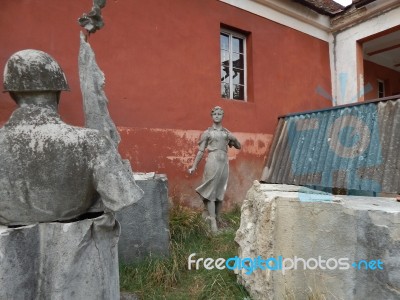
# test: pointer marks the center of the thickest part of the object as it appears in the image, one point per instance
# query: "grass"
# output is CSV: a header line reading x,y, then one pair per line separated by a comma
x,y
157,278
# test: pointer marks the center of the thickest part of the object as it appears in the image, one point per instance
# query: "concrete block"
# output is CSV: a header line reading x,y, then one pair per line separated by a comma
x,y
286,221
144,225
76,260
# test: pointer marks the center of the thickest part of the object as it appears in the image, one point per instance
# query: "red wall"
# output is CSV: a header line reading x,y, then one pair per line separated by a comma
x,y
161,61
373,72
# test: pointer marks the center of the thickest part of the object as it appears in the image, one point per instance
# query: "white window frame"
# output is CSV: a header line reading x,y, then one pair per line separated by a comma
x,y
384,88
231,34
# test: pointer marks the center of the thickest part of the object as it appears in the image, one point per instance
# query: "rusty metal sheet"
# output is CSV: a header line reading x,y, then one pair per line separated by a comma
x,y
354,148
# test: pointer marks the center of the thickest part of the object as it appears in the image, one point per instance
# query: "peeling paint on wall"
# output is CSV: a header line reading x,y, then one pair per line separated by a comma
x,y
183,143
172,151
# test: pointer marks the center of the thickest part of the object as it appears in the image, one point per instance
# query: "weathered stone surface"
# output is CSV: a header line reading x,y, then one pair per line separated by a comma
x,y
49,170
24,72
77,260
52,171
216,140
93,20
95,102
144,225
278,220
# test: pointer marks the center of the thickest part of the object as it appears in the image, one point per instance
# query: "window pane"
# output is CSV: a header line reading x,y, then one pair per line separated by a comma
x,y
237,60
238,76
233,63
225,57
237,45
224,38
224,73
225,90
381,89
238,92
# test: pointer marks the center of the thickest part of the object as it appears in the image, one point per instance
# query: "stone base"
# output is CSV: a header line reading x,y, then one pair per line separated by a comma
x,y
144,224
77,260
288,221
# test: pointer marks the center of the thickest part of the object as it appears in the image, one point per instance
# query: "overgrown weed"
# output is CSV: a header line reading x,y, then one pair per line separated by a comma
x,y
169,278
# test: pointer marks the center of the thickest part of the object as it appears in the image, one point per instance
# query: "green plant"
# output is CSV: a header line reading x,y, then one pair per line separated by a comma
x,y
184,222
169,278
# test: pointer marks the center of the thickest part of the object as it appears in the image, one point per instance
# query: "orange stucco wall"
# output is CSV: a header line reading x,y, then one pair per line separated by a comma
x,y
162,66
373,72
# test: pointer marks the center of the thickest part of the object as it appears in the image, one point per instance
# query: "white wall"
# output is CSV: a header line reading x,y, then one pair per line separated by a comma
x,y
344,56
342,35
287,13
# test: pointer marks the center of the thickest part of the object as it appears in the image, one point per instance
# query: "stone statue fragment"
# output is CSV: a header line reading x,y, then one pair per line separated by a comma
x,y
49,170
216,140
93,20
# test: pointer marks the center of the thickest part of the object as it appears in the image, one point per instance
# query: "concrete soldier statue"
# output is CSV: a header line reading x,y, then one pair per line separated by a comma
x,y
216,140
51,171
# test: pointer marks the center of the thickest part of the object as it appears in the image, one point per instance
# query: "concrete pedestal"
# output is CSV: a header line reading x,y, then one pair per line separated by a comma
x,y
342,239
144,225
77,260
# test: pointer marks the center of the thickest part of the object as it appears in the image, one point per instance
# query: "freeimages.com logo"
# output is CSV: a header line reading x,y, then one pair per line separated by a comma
x,y
280,264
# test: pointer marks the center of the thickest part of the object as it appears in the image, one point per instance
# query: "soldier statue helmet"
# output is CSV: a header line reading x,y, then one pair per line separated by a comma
x,y
49,170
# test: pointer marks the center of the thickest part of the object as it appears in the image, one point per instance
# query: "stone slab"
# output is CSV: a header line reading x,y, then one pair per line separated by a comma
x,y
144,225
277,222
77,260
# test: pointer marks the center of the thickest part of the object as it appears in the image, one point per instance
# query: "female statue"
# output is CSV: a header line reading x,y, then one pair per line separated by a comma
x,y
215,178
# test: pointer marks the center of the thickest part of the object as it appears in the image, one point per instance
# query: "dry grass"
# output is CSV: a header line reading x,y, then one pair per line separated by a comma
x,y
157,278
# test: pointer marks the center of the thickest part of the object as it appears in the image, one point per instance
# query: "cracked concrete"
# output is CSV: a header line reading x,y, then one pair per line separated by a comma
x,y
79,264
277,221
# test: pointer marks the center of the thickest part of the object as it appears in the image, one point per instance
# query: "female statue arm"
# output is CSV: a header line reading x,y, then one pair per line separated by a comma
x,y
198,158
200,153
233,142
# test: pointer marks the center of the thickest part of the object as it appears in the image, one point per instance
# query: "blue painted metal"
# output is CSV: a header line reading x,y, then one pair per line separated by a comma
x,y
354,148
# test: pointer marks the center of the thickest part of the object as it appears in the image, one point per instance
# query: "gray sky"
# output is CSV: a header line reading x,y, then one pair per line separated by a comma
x,y
343,2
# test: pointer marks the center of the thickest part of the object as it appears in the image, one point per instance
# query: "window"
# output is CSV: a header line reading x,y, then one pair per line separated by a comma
x,y
381,88
233,65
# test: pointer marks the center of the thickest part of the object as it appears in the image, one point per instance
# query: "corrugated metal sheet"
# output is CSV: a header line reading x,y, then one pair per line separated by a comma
x,y
355,148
